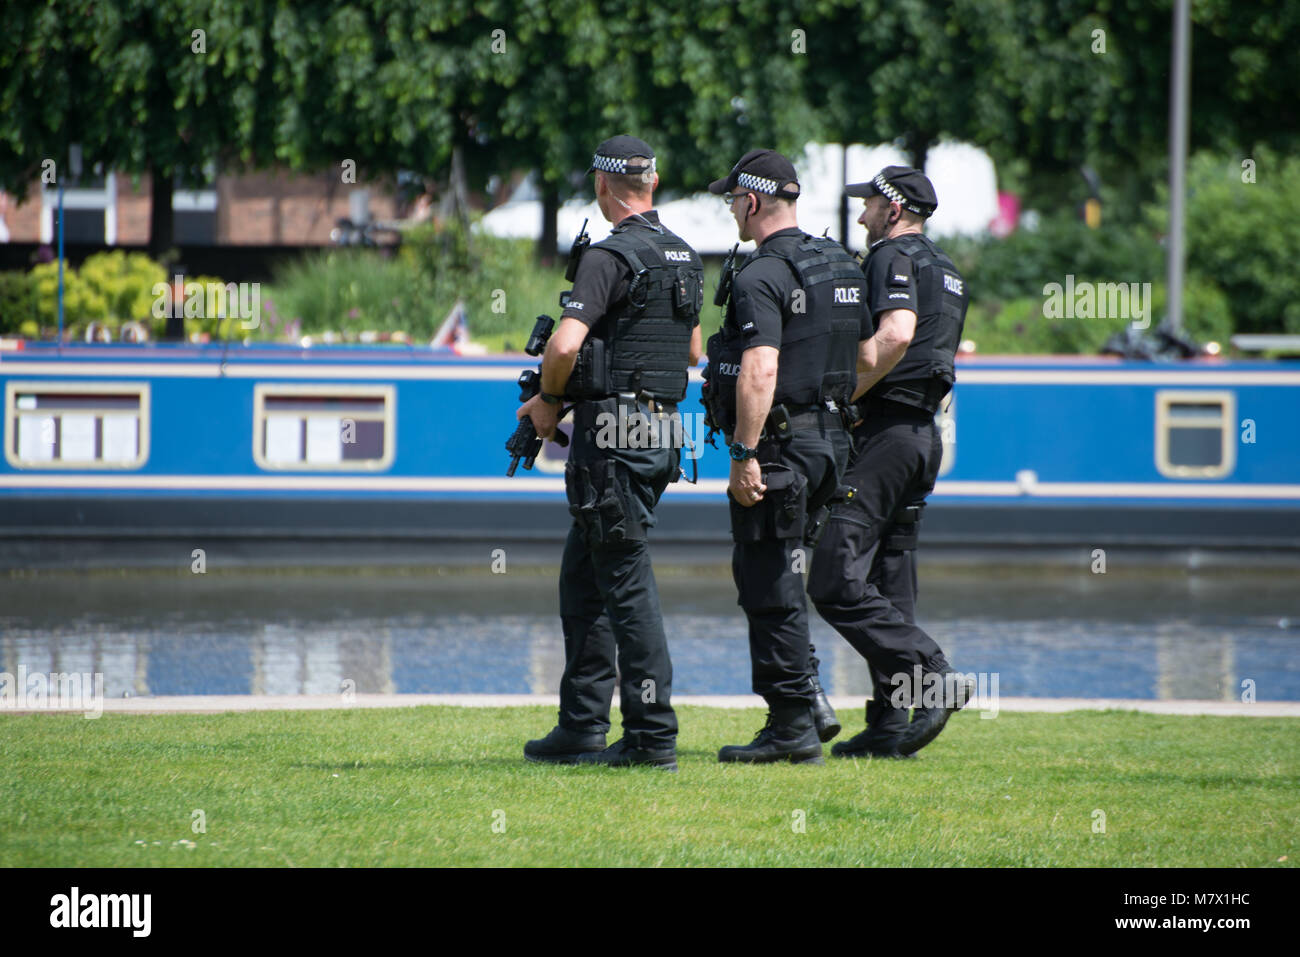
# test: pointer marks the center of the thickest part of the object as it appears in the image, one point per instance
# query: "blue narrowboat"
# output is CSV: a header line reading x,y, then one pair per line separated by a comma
x,y
112,442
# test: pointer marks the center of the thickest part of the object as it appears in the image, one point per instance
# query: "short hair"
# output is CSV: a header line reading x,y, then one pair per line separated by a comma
x,y
640,184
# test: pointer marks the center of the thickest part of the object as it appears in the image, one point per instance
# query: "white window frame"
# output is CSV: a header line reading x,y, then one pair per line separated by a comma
x,y
1225,421
105,199
263,390
12,414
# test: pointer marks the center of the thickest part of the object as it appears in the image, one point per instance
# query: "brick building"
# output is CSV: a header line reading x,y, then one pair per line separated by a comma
x,y
270,208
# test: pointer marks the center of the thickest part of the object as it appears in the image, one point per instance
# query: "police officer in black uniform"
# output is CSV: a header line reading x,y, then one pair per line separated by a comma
x,y
780,371
627,336
863,577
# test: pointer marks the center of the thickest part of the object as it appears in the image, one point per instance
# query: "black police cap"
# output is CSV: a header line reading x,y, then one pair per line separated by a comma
x,y
623,154
908,187
761,171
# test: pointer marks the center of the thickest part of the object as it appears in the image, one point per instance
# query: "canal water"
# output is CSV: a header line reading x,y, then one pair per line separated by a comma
x,y
1045,632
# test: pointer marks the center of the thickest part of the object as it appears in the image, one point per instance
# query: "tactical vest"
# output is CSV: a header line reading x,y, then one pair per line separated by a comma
x,y
642,344
925,374
819,334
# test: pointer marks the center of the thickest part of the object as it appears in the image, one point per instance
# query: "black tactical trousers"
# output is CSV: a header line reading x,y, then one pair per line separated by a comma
x,y
863,576
609,602
769,556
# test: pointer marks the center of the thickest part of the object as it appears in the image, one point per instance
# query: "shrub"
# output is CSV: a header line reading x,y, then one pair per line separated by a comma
x,y
123,282
17,301
413,290
110,287
1023,263
1020,325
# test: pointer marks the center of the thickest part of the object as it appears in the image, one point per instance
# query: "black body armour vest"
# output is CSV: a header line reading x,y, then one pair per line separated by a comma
x,y
643,342
819,335
925,374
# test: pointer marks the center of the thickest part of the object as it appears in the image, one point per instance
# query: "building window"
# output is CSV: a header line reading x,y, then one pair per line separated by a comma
x,y
81,425
1195,434
323,427
194,217
89,211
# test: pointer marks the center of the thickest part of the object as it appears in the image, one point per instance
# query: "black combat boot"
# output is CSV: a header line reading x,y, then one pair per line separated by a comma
x,y
928,721
885,726
828,725
625,754
868,744
563,746
789,735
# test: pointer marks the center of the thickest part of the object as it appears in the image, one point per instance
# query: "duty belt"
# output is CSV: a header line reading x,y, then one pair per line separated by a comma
x,y
784,420
646,399
868,404
920,394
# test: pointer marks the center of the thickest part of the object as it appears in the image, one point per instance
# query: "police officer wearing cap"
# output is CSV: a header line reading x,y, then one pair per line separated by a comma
x,y
863,576
627,335
780,370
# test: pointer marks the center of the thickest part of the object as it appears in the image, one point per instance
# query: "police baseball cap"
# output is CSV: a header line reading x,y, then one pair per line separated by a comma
x,y
908,187
761,171
623,154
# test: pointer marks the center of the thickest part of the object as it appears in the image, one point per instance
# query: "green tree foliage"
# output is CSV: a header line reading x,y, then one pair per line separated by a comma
x,y
535,84
1244,236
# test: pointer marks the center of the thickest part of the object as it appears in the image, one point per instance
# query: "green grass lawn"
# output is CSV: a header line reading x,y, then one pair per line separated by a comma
x,y
449,786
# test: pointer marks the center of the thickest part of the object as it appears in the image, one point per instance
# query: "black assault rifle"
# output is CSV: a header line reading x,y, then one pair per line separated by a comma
x,y
723,291
525,443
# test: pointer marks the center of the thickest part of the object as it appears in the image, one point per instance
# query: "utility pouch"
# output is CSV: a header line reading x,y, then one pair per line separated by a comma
x,y
688,292
590,376
597,504
780,515
817,525
905,527
778,423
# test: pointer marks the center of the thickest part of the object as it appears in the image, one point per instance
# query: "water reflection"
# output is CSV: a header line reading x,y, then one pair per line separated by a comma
x,y
1044,634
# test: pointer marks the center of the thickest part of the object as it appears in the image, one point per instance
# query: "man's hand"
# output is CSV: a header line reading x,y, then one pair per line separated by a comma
x,y
544,415
746,485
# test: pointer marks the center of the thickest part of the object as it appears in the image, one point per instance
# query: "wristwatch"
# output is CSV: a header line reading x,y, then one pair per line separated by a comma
x,y
550,399
739,451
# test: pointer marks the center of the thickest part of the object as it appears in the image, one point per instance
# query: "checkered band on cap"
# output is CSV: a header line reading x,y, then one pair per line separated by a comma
x,y
888,191
609,164
892,194
760,184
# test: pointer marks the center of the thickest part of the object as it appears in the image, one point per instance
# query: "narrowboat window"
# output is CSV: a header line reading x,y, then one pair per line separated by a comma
x,y
337,428
76,425
1195,434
